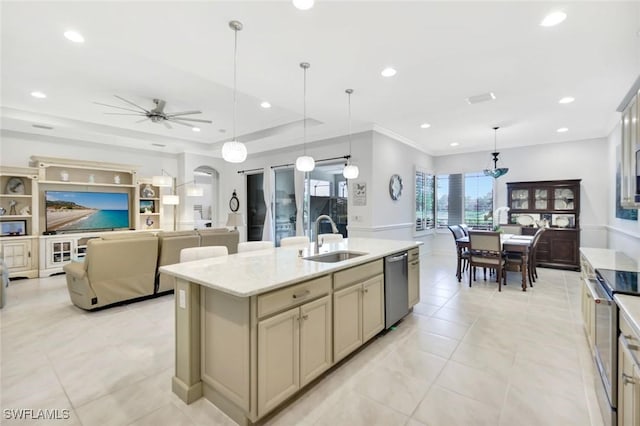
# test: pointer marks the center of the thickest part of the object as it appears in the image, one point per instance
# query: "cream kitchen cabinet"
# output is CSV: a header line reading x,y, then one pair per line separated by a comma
x,y
294,348
358,309
628,376
588,310
414,277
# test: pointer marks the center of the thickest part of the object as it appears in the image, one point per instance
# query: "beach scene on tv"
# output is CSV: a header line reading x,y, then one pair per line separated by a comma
x,y
76,211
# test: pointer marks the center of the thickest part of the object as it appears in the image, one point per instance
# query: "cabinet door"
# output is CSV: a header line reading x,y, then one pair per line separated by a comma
x,y
628,388
278,359
316,350
17,255
519,199
414,282
540,198
347,321
372,307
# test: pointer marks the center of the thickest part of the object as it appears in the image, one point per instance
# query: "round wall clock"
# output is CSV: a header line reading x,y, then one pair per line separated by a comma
x,y
234,203
395,187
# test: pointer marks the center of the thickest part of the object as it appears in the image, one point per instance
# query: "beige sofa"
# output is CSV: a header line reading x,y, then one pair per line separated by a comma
x,y
124,267
115,269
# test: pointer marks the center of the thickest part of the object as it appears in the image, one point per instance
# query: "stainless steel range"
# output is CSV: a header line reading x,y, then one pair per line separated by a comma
x,y
609,282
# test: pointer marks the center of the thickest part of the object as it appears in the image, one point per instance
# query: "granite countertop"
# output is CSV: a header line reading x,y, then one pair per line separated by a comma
x,y
251,273
609,259
630,307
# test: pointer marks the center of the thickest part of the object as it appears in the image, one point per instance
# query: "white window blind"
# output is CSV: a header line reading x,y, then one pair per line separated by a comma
x,y
425,201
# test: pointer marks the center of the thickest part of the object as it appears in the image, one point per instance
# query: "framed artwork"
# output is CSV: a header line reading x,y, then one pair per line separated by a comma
x,y
147,206
622,213
359,194
13,228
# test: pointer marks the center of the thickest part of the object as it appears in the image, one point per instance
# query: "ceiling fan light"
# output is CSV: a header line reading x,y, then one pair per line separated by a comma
x,y
350,171
162,181
305,163
234,152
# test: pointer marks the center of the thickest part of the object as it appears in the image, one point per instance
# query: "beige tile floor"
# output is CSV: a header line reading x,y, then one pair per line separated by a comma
x,y
465,356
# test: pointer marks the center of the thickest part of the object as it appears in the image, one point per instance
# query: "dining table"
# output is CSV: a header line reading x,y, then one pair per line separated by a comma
x,y
520,244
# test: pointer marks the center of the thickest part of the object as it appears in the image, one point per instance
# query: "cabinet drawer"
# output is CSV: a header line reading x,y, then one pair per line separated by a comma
x,y
629,334
357,274
414,254
294,295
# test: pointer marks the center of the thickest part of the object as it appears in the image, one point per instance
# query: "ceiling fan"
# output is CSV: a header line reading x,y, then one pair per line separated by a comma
x,y
157,114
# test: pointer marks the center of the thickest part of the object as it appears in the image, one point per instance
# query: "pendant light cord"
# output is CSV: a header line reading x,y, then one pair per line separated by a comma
x,y
349,93
304,110
235,67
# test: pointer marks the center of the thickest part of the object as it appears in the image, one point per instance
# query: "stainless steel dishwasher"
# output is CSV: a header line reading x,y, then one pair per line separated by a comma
x,y
396,288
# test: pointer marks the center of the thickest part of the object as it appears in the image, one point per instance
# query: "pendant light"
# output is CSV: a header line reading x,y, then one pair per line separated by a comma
x,y
305,163
495,172
234,151
350,171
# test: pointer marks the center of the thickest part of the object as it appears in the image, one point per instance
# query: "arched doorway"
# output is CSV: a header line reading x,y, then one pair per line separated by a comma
x,y
205,208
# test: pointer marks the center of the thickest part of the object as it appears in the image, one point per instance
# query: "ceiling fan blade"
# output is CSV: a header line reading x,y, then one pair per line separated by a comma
x,y
122,113
144,119
190,119
166,124
180,123
130,103
113,106
183,113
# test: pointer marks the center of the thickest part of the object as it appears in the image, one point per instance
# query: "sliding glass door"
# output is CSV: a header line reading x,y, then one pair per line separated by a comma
x,y
256,208
285,204
326,193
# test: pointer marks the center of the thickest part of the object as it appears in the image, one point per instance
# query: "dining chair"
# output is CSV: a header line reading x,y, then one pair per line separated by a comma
x,y
294,241
465,229
254,245
485,250
197,253
462,252
511,229
514,260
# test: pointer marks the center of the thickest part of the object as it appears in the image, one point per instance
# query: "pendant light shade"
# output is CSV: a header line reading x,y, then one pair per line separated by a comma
x,y
303,4
350,171
162,181
305,163
234,151
496,172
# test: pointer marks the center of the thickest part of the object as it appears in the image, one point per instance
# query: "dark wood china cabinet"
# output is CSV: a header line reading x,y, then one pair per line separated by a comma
x,y
552,204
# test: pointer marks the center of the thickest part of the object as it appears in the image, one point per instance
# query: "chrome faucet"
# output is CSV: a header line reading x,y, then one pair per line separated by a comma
x,y
334,229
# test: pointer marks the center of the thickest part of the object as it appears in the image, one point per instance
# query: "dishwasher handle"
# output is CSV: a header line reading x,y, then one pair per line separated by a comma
x,y
397,258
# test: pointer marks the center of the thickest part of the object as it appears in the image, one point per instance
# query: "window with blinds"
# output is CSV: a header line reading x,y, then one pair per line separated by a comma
x,y
425,201
464,198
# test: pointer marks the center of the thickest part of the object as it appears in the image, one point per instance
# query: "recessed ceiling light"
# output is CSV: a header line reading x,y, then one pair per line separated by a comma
x,y
454,144
554,18
74,36
425,125
562,129
38,95
265,104
388,72
566,100
303,4
195,129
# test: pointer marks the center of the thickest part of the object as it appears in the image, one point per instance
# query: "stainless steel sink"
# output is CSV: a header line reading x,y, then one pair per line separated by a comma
x,y
336,256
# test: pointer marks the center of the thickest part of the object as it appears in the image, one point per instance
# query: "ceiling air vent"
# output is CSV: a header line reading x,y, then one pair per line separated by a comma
x,y
480,98
160,145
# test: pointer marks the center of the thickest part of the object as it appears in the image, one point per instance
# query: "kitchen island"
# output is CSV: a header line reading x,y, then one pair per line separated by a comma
x,y
254,328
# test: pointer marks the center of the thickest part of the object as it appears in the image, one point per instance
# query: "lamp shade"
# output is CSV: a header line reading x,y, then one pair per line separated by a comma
x,y
234,152
350,171
303,4
235,219
162,181
305,163
170,200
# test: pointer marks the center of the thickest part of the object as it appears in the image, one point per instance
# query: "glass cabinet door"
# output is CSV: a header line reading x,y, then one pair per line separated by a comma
x,y
541,199
563,199
520,199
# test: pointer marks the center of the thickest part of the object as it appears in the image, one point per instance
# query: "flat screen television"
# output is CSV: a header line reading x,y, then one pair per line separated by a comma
x,y
86,211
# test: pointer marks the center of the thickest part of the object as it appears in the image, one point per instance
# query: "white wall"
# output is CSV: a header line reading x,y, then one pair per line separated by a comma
x,y
623,235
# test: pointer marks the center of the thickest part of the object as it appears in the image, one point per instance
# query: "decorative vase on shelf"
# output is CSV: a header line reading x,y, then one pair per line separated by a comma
x,y
92,178
116,179
64,176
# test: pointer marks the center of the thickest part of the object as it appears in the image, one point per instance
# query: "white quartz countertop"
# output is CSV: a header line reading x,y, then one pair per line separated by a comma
x,y
609,259
630,307
250,273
